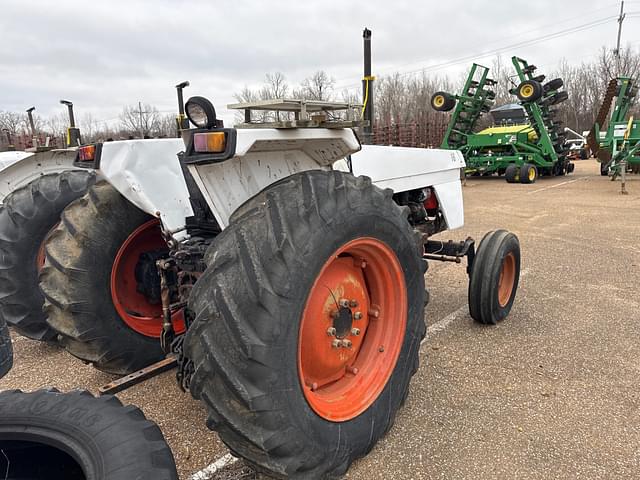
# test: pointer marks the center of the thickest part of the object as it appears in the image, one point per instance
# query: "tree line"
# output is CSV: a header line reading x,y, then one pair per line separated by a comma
x,y
399,99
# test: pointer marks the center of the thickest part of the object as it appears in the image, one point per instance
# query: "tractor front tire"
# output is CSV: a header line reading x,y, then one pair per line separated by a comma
x,y
308,323
494,277
26,217
74,436
78,283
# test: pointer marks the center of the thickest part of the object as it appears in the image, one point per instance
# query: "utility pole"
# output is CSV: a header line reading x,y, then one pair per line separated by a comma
x,y
616,52
140,112
367,89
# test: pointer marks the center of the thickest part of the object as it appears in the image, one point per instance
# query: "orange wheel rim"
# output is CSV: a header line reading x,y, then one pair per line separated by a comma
x,y
132,306
507,279
352,329
41,254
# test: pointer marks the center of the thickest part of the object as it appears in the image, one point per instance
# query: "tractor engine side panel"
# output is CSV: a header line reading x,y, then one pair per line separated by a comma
x,y
402,169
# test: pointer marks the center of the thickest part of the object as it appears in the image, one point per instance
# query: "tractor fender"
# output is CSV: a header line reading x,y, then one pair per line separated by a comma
x,y
148,174
19,168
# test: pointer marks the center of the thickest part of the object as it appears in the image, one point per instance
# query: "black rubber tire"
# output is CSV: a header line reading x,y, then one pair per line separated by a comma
x,y
484,306
76,283
6,349
512,174
448,101
26,216
107,440
525,171
604,170
554,84
537,91
558,98
248,304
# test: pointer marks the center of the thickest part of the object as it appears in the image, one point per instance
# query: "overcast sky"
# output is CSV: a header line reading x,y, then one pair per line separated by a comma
x,y
103,55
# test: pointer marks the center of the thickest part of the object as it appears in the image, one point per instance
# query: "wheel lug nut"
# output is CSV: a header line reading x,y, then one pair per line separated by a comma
x,y
336,343
357,315
374,312
346,343
352,370
353,303
331,331
355,331
344,303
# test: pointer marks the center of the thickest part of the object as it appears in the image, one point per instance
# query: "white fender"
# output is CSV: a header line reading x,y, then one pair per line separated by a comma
x,y
19,168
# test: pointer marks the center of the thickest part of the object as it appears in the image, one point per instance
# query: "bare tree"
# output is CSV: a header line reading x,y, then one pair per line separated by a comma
x,y
318,86
12,121
140,120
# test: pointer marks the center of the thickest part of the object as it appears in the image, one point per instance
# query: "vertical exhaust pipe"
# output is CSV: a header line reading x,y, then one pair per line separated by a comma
x,y
367,89
181,120
73,133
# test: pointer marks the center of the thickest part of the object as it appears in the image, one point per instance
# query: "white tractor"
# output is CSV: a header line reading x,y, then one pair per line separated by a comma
x,y
282,263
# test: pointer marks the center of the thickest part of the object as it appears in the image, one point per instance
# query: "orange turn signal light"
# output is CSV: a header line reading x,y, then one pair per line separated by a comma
x,y
209,142
87,153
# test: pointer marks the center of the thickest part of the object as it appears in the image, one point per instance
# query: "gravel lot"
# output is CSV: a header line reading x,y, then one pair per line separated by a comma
x,y
552,392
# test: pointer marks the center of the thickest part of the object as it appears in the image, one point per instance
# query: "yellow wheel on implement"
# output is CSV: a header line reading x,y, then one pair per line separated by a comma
x,y
442,101
529,91
528,173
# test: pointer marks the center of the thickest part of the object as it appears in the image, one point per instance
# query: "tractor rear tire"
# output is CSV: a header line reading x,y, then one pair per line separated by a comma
x,y
26,217
48,434
512,174
270,286
77,283
494,277
528,173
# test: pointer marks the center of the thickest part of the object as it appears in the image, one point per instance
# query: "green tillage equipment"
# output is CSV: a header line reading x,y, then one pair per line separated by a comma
x,y
474,100
512,151
617,147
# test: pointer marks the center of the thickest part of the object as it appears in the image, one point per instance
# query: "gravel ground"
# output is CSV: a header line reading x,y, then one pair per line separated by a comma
x,y
549,393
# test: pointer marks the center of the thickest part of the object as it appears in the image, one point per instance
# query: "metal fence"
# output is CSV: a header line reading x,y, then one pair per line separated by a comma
x,y
427,134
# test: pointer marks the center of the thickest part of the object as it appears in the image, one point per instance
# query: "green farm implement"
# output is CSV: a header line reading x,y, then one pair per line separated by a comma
x,y
614,139
521,150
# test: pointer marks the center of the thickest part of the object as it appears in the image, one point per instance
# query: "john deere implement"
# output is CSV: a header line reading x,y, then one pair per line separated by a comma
x,y
615,140
522,150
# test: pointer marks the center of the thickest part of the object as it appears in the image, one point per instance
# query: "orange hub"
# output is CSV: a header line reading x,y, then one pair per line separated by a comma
x,y
132,306
352,329
41,256
507,279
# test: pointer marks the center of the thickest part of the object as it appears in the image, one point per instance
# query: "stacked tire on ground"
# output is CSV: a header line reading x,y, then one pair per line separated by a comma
x,y
48,435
